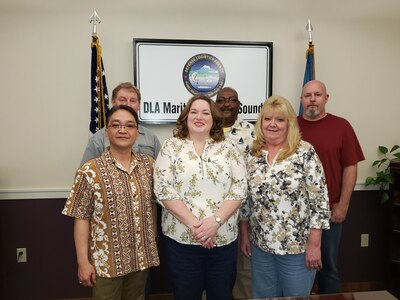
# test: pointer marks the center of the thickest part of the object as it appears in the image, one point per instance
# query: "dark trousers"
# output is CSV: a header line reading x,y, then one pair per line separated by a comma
x,y
194,269
328,277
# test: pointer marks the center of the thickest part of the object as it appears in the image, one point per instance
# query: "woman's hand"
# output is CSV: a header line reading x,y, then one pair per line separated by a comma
x,y
313,251
205,232
313,258
245,245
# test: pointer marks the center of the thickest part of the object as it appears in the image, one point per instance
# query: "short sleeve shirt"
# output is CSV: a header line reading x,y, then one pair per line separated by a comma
x,y
118,205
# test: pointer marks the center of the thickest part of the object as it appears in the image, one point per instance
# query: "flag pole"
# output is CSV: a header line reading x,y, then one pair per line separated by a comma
x,y
98,85
309,28
310,52
309,72
95,19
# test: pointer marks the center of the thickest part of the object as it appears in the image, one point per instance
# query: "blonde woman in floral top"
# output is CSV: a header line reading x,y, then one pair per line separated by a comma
x,y
287,206
200,180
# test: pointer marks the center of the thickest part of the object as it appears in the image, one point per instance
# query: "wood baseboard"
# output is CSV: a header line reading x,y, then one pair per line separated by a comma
x,y
349,287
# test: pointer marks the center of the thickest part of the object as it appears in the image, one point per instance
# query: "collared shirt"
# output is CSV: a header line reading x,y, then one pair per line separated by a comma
x,y
285,200
146,143
118,204
202,182
242,132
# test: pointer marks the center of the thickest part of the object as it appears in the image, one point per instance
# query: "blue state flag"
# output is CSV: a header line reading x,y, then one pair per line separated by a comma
x,y
309,73
98,85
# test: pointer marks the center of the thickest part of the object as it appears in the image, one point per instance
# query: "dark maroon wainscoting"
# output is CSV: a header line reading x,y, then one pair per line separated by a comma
x,y
50,272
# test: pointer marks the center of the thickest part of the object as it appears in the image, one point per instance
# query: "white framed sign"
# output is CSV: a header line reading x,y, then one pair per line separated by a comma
x,y
169,72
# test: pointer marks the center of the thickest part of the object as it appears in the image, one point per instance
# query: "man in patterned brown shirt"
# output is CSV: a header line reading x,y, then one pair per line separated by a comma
x,y
114,227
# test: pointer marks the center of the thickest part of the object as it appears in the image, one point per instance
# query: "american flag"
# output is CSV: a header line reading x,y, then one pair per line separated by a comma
x,y
99,93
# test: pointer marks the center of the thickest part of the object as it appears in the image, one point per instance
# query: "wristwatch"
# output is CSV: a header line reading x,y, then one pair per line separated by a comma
x,y
218,220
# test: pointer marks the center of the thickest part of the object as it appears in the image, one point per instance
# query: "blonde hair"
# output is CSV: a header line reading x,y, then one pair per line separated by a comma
x,y
283,106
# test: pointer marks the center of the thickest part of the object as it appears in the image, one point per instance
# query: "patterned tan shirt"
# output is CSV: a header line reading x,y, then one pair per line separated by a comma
x,y
118,205
242,132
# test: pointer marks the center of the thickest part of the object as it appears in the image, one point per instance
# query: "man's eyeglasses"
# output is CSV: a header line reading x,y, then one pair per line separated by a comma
x,y
120,126
223,100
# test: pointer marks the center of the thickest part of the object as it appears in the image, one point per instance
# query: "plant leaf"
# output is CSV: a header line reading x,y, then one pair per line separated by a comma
x,y
369,181
383,149
394,148
383,160
376,162
385,197
397,155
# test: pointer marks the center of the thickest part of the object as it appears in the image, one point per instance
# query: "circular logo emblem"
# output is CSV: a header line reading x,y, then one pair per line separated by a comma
x,y
203,74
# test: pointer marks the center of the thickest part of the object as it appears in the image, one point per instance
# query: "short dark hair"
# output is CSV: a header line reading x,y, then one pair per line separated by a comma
x,y
116,108
216,133
127,86
229,89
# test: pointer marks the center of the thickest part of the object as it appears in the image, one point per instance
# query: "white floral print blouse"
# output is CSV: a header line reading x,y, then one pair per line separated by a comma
x,y
202,182
285,200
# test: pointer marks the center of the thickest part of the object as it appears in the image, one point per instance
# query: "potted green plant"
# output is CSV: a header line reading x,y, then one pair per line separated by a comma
x,y
383,177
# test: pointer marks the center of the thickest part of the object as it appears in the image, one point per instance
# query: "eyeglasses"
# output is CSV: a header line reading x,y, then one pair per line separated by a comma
x,y
223,100
120,126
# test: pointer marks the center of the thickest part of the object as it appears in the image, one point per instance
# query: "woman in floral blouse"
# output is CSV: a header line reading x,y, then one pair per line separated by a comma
x,y
200,180
287,205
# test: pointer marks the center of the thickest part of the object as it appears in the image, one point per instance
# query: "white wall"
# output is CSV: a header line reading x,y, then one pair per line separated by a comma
x,y
45,68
